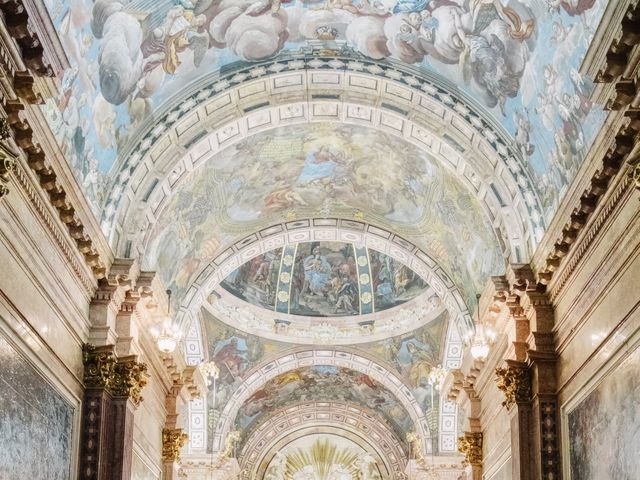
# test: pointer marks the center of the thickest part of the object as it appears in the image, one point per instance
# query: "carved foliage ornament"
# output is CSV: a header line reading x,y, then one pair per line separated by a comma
x,y
635,175
5,131
232,439
7,164
129,380
470,445
99,365
515,383
416,446
173,439
125,378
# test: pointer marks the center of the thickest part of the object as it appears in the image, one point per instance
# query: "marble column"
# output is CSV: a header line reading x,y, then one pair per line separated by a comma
x,y
99,365
515,382
112,392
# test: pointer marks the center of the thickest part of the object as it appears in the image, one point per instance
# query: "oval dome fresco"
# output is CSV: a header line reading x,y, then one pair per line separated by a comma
x,y
324,279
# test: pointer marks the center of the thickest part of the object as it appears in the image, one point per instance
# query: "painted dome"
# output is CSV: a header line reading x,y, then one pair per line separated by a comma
x,y
324,279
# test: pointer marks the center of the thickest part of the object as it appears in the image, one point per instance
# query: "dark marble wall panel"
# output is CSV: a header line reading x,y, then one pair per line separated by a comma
x,y
35,422
604,429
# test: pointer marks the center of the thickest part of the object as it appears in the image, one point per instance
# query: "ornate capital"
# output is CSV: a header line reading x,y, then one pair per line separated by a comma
x,y
129,379
515,383
99,366
173,439
5,131
470,445
7,164
635,175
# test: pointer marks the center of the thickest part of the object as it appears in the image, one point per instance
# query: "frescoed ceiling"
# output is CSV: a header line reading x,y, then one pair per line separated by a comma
x,y
324,279
519,60
324,383
325,185
321,170
411,356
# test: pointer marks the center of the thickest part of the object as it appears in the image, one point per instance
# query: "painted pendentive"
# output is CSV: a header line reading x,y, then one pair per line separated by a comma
x,y
324,279
604,429
36,423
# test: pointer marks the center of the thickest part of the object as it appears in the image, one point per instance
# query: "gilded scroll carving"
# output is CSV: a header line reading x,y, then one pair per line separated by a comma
x,y
470,445
515,383
173,439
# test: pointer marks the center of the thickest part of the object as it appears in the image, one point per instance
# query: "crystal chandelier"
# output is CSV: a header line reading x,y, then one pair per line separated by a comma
x,y
210,371
436,377
168,337
483,337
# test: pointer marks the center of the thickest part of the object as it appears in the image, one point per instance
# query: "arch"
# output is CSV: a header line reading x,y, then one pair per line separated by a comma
x,y
320,357
325,229
417,106
294,421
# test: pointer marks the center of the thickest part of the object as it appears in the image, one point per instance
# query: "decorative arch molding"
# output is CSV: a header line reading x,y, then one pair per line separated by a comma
x,y
195,353
325,229
415,105
320,357
294,421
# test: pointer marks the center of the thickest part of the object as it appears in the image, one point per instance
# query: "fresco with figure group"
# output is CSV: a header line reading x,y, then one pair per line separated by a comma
x,y
236,354
322,170
325,279
324,383
604,429
520,58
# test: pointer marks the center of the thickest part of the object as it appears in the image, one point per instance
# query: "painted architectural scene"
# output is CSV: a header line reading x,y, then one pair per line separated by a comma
x,y
604,429
324,383
324,279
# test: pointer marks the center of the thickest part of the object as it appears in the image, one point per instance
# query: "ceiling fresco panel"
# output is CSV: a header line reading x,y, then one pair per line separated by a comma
x,y
518,58
323,170
411,356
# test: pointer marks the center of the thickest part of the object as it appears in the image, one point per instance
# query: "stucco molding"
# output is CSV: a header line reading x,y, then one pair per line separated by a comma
x,y
285,422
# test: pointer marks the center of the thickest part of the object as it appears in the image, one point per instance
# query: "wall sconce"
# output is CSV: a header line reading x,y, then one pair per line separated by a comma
x,y
168,337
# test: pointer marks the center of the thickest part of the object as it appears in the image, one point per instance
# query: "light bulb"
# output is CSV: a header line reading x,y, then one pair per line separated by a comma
x,y
479,349
167,343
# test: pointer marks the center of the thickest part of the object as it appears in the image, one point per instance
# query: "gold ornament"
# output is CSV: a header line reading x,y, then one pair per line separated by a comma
x,y
515,383
129,380
99,365
470,445
173,439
